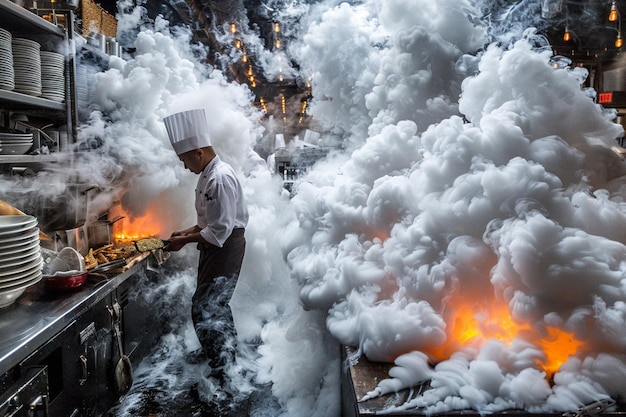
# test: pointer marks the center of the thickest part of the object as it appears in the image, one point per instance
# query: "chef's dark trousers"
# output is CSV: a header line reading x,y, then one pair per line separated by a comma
x,y
218,270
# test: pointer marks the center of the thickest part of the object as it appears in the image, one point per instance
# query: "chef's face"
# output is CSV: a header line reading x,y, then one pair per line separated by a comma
x,y
192,160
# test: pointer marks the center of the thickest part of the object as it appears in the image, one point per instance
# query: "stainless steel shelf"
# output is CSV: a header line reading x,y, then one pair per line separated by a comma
x,y
31,101
31,159
20,20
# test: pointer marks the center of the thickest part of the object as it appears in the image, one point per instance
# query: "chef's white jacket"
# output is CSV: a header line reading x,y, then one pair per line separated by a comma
x,y
220,204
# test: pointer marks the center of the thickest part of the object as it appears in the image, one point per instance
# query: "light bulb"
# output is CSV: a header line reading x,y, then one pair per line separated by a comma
x,y
567,35
619,42
613,13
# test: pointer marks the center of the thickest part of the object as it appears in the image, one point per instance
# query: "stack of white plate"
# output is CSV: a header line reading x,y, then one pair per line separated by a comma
x,y
21,262
27,66
83,75
52,76
15,143
7,81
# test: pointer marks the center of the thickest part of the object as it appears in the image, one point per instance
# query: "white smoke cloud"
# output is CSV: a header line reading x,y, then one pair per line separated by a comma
x,y
502,205
483,174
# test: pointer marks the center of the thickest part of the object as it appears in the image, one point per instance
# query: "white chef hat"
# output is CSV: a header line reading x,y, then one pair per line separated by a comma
x,y
187,130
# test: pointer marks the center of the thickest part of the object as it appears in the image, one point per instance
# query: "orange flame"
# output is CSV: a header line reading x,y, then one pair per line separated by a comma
x,y
472,324
134,228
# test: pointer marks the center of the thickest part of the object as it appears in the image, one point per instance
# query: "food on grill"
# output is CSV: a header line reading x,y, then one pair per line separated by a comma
x,y
148,244
90,260
108,253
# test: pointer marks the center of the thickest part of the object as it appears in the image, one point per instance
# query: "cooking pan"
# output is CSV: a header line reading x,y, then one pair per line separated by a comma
x,y
65,281
150,244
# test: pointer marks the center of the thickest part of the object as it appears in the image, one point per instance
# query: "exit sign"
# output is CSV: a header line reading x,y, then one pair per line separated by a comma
x,y
605,97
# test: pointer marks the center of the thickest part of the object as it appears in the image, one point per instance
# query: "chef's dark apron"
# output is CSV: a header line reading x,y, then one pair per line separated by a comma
x,y
218,270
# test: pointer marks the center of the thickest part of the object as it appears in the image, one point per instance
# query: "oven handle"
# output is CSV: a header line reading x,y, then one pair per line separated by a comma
x,y
39,403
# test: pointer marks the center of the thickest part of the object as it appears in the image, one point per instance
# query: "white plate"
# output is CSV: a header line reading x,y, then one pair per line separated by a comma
x,y
18,249
16,221
19,238
20,264
19,277
17,231
16,135
24,230
26,254
16,271
15,142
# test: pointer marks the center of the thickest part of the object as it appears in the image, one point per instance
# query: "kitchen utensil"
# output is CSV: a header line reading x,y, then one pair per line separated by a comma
x,y
123,372
66,210
100,233
63,281
149,244
68,259
118,263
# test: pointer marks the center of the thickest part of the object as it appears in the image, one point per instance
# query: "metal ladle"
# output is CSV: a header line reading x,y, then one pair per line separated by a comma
x,y
123,372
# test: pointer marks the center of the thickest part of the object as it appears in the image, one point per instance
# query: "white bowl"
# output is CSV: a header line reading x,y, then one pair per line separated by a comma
x,y
9,295
13,149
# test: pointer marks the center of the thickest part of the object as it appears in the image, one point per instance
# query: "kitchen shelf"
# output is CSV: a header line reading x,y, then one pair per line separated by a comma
x,y
15,98
28,159
20,20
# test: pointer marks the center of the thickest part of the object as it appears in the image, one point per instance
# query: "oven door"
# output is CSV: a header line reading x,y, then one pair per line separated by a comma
x,y
28,396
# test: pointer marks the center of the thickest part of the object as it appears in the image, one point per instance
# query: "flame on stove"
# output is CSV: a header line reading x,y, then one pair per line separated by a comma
x,y
472,324
132,228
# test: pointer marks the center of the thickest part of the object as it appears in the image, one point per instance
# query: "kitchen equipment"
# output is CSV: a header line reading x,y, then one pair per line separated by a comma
x,y
65,211
64,270
150,244
118,263
123,372
68,259
63,281
100,233
20,260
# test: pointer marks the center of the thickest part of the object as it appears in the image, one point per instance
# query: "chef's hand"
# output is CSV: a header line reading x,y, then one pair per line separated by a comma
x,y
175,243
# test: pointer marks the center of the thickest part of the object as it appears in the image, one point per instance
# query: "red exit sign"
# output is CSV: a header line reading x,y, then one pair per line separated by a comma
x,y
605,97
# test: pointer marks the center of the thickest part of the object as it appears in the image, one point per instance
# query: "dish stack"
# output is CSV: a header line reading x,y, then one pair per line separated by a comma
x,y
27,66
52,76
15,143
7,80
21,262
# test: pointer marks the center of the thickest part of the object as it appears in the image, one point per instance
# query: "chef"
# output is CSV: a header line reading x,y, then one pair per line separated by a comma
x,y
222,216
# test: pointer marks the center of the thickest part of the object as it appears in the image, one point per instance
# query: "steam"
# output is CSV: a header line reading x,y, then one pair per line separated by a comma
x,y
466,171
498,206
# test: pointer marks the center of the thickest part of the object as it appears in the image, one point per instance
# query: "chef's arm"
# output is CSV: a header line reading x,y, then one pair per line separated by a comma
x,y
187,231
180,238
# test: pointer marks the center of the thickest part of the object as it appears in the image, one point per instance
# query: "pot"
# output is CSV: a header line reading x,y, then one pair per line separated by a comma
x,y
65,211
100,233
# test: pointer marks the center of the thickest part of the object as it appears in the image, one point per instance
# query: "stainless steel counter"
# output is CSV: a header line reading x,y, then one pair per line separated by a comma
x,y
39,314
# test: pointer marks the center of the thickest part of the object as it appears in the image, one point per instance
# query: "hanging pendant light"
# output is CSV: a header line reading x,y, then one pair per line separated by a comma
x,y
567,35
613,14
619,41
